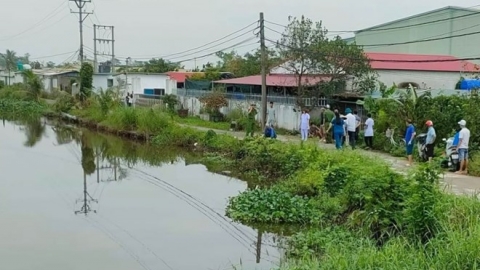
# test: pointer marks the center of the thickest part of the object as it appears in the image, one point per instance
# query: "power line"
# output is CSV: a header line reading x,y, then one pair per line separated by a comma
x,y
397,27
211,47
212,53
204,45
422,40
380,60
46,18
429,39
48,56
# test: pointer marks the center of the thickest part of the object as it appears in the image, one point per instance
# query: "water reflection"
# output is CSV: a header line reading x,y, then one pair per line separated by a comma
x,y
189,216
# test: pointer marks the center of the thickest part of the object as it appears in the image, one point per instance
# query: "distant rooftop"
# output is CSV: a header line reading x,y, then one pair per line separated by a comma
x,y
419,62
446,9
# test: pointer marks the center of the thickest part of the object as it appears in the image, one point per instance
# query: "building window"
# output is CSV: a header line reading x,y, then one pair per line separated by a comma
x,y
109,83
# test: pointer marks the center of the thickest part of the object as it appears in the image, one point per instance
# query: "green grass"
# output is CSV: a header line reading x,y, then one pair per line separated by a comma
x,y
198,122
366,216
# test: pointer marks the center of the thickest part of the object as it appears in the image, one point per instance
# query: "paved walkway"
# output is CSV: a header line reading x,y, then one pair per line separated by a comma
x,y
459,184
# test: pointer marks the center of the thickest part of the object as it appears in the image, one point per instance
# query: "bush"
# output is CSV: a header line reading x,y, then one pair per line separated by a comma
x,y
64,102
272,206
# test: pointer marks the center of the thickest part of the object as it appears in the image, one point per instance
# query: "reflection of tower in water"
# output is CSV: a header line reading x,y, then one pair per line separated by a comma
x,y
90,161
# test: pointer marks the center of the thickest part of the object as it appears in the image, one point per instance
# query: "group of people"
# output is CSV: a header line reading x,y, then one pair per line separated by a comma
x,y
460,143
129,99
345,128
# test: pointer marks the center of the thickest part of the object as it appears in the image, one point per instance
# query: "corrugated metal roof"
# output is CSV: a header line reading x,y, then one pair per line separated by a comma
x,y
448,65
53,71
180,77
281,80
446,9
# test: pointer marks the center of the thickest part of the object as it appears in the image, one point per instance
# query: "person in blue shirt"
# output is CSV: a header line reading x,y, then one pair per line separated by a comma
x,y
338,125
270,132
409,141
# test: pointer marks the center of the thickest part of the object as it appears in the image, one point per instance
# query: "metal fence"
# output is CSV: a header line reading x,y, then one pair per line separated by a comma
x,y
286,100
147,100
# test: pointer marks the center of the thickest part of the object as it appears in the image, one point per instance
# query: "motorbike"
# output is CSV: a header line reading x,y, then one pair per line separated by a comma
x,y
421,146
451,156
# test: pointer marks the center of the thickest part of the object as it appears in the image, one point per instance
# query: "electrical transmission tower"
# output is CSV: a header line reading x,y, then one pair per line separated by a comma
x,y
86,199
82,15
109,41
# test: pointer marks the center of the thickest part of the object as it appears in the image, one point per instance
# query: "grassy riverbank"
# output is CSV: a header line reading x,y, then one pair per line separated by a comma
x,y
359,213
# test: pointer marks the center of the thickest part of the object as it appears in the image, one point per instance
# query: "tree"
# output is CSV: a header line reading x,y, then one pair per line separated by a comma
x,y
50,64
307,51
160,66
341,61
295,47
33,84
36,65
86,80
246,65
10,62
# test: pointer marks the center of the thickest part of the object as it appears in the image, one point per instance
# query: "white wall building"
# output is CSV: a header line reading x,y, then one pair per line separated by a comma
x,y
435,72
104,81
148,83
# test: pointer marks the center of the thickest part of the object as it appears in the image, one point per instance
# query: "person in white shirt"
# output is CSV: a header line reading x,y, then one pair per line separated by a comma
x,y
462,147
304,124
369,131
271,115
351,127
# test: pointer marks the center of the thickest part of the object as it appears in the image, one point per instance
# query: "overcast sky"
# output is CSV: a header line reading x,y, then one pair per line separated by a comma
x,y
153,28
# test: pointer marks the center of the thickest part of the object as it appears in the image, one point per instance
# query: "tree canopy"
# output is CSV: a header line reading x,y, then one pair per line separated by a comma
x,y
159,65
306,49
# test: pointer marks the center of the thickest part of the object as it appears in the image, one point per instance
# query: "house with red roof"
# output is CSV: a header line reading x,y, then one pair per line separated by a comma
x,y
436,72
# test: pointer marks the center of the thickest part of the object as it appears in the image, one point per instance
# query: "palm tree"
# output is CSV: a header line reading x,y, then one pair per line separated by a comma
x,y
10,62
34,83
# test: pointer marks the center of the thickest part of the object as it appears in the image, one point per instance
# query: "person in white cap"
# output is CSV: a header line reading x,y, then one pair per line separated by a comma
x,y
462,146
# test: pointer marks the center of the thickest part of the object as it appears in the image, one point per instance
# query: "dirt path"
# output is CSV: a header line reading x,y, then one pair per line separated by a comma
x,y
459,184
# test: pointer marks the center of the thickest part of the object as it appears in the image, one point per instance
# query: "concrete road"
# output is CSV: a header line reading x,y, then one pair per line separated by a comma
x,y
458,184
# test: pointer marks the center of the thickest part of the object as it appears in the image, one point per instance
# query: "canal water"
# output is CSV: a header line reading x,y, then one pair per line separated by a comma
x,y
73,199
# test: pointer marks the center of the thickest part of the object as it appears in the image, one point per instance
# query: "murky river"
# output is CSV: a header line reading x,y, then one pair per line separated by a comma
x,y
72,199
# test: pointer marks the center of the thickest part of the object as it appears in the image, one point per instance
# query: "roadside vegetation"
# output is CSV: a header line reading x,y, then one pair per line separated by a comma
x,y
350,211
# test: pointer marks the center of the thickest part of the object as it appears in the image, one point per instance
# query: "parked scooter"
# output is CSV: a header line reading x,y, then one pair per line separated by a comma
x,y
451,162
421,146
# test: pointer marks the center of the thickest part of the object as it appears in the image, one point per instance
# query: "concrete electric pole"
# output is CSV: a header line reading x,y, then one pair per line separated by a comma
x,y
263,50
82,15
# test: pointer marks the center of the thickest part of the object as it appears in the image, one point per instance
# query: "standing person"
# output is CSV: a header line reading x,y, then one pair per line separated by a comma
x,y
304,124
357,128
127,99
369,123
329,116
338,129
252,112
130,100
430,140
462,147
321,129
271,115
409,140
351,127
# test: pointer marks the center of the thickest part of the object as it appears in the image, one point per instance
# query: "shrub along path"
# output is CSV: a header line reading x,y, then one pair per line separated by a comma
x,y
458,184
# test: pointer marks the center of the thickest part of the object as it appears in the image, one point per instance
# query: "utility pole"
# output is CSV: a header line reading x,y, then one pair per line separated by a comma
x,y
82,15
95,62
264,70
109,41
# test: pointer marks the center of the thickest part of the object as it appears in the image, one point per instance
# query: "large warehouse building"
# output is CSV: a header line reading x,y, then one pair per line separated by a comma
x,y
427,33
